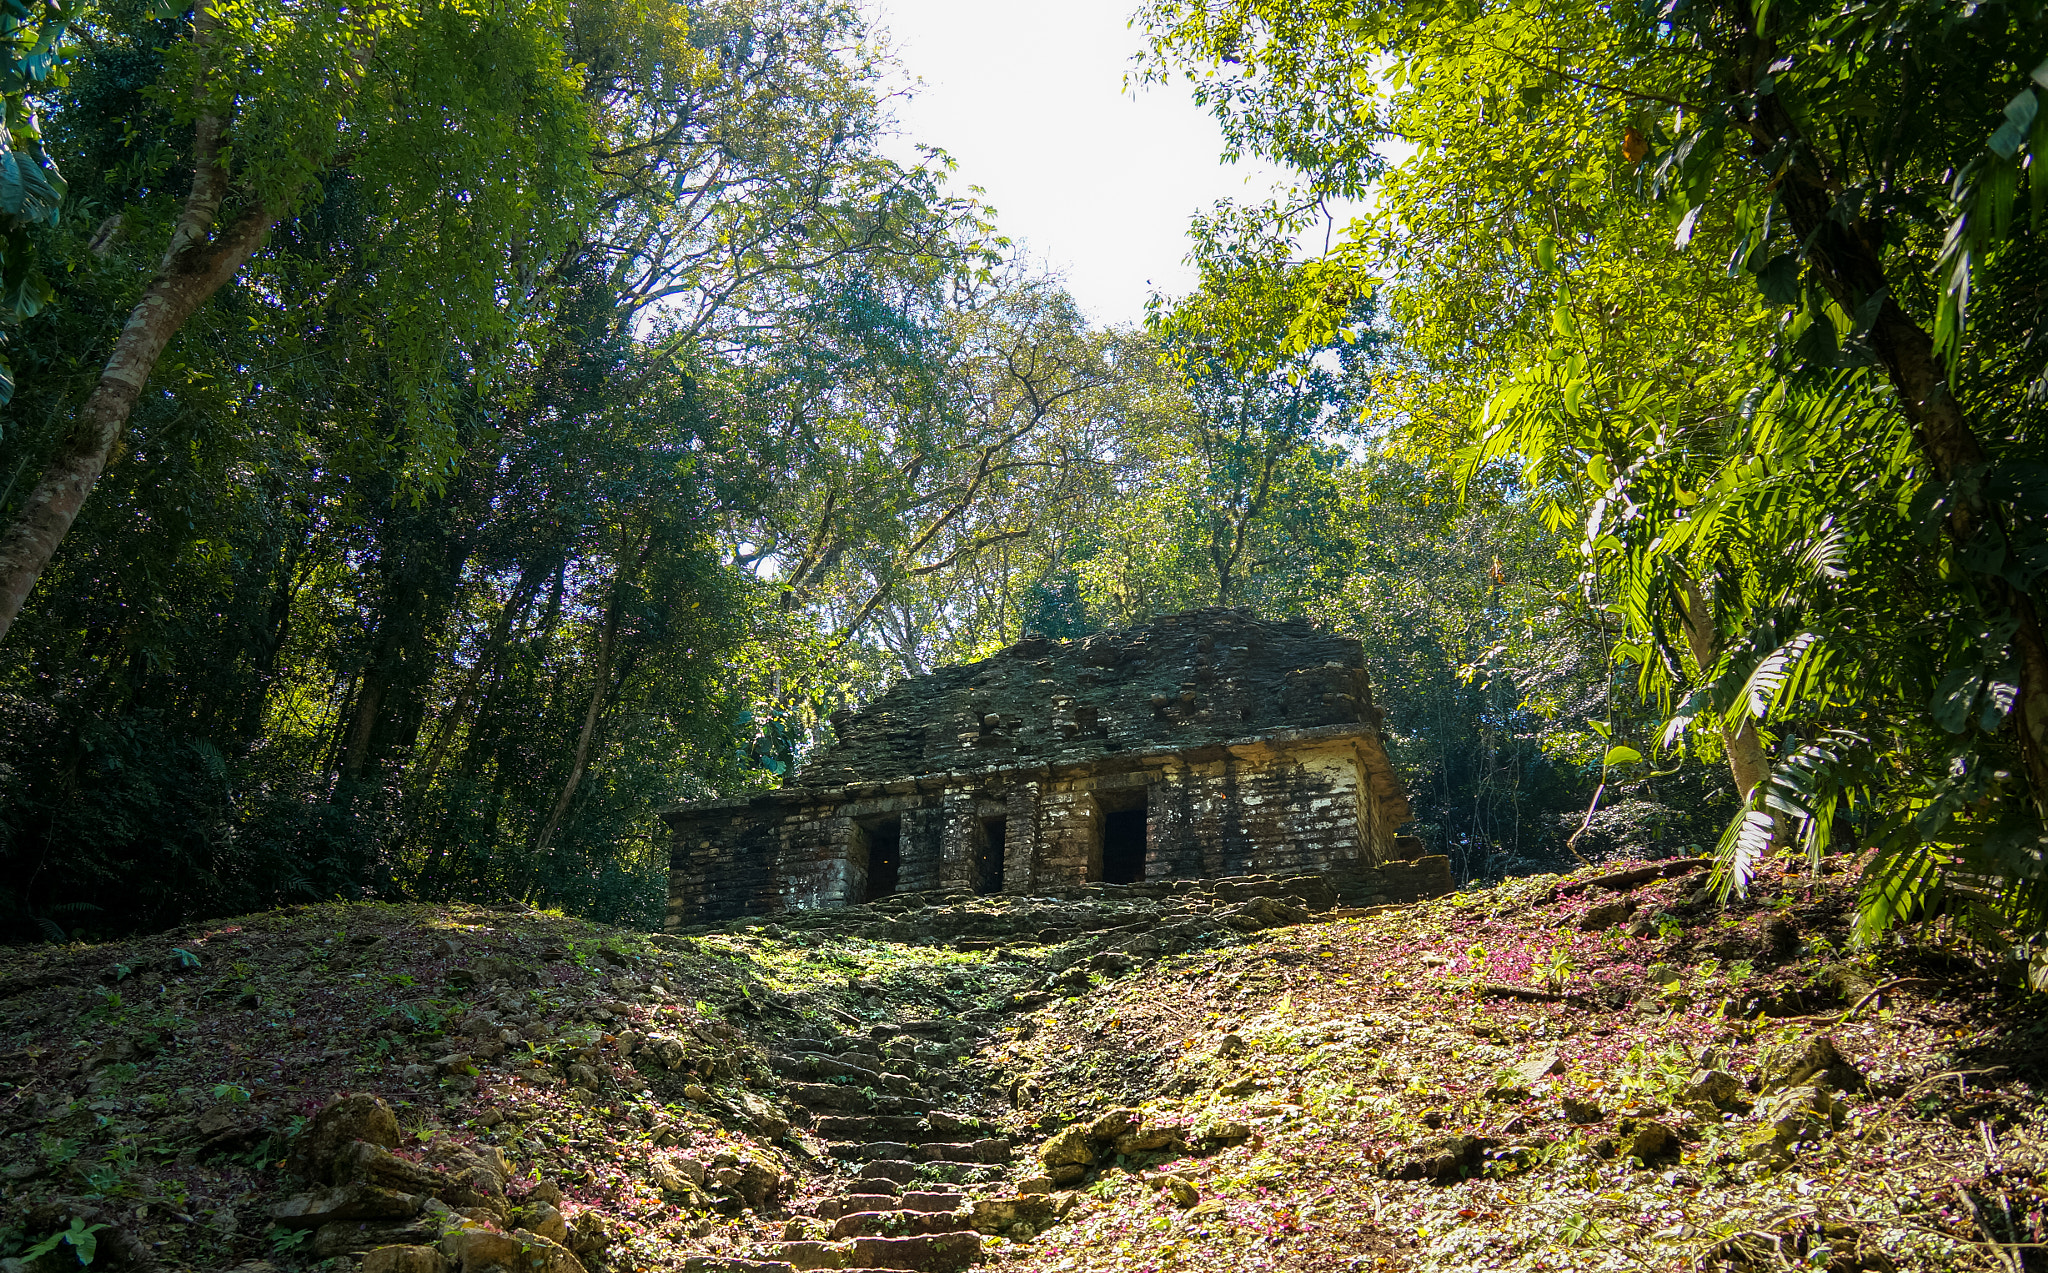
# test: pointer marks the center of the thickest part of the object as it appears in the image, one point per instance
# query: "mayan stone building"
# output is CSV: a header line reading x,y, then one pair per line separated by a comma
x,y
1202,745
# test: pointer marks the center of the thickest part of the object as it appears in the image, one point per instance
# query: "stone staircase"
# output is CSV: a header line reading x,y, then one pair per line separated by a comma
x,y
914,1178
913,1185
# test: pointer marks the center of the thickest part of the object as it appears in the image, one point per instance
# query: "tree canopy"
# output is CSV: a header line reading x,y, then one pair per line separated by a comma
x,y
442,436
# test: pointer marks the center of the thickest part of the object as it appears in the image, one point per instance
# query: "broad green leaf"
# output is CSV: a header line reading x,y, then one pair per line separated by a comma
x,y
1954,698
1779,279
1622,756
2019,117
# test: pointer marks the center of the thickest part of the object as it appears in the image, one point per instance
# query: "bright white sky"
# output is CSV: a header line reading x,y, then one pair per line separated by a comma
x,y
1094,182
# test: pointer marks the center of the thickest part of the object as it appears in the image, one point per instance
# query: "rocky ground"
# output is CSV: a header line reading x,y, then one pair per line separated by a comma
x,y
1603,1071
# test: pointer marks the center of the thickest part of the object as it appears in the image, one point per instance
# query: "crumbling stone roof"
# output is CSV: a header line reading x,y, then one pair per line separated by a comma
x,y
1198,679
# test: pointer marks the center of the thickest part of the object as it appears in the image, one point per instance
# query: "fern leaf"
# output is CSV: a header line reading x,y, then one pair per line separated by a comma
x,y
1897,885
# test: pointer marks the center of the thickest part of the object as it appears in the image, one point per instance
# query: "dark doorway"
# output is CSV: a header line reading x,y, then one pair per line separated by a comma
x,y
988,857
885,857
1123,842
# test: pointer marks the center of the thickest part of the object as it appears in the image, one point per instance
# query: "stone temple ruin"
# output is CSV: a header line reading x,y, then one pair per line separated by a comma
x,y
1202,746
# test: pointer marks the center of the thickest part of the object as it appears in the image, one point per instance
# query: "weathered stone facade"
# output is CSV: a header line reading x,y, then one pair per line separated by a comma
x,y
1200,746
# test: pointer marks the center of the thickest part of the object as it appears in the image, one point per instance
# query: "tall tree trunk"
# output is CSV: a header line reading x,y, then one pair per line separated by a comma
x,y
600,691
369,705
1848,261
194,266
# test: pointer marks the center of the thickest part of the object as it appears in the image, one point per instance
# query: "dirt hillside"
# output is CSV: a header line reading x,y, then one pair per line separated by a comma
x,y
1602,1071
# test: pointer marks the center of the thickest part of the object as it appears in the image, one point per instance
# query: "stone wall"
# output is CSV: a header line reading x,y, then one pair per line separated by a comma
x,y
1252,748
1268,809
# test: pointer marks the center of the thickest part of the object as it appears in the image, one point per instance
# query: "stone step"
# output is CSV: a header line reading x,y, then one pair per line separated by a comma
x,y
899,1170
833,1208
813,1065
870,1151
730,1264
899,1224
990,1149
929,1253
835,1098
913,1129
931,1200
832,1096
995,1149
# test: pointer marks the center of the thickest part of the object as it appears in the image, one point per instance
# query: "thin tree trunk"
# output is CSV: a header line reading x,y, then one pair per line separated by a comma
x,y
599,692
1746,760
194,266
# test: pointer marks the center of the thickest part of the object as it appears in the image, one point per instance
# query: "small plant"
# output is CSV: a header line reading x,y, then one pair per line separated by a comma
x,y
1669,929
185,958
232,1093
58,1150
80,1237
1583,1230
283,1239
1555,967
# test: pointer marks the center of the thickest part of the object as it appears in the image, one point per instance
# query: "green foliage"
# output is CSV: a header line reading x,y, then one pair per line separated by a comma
x,y
32,54
81,1237
1739,290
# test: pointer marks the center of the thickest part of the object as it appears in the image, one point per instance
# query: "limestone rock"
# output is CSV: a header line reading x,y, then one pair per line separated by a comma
x,y
338,1125
815,1255
1264,912
588,1234
1804,1115
935,1253
1526,1075
1069,1148
750,1180
474,1172
404,1259
475,1248
544,1220
1582,1111
1182,1191
1716,1089
1109,1126
665,1050
349,1237
376,1165
1223,1132
1446,1159
1606,915
996,1215
1821,1064
762,1115
1654,1142
541,1254
353,1201
1149,1138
